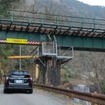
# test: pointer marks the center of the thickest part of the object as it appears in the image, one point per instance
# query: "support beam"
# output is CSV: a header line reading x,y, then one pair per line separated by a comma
x,y
18,57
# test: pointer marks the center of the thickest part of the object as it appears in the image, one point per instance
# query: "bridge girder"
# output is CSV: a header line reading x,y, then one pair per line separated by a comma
x,y
78,42
81,38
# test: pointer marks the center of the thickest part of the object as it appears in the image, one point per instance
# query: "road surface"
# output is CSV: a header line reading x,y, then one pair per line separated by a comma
x,y
39,97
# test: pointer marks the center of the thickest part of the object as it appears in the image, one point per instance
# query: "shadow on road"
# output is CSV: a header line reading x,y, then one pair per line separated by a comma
x,y
17,92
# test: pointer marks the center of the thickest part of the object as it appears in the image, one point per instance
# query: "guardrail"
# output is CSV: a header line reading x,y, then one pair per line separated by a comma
x,y
95,99
55,19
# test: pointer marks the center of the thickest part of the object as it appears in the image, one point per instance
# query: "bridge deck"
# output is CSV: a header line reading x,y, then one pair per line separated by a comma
x,y
54,24
81,33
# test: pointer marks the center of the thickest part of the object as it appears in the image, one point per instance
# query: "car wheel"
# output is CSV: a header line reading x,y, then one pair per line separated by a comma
x,y
30,91
5,90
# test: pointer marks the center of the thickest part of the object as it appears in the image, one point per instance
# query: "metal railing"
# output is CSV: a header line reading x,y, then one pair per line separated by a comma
x,y
55,19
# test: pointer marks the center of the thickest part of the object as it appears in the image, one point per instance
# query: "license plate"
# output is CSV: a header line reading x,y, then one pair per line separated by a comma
x,y
19,81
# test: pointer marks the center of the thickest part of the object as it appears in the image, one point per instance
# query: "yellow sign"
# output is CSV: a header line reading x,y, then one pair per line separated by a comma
x,y
18,41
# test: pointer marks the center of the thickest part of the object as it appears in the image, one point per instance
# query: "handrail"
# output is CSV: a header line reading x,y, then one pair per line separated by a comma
x,y
56,19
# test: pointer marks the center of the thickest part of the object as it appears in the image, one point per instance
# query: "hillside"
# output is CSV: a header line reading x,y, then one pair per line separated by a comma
x,y
68,7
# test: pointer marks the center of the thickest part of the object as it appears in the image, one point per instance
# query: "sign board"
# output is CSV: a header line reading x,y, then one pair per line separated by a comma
x,y
18,41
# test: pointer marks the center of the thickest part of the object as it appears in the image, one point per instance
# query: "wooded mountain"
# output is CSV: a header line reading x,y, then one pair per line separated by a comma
x,y
71,7
78,8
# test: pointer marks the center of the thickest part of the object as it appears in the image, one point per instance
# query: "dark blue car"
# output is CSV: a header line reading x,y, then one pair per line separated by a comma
x,y
18,80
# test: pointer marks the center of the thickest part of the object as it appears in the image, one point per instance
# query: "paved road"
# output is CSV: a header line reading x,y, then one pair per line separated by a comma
x,y
39,97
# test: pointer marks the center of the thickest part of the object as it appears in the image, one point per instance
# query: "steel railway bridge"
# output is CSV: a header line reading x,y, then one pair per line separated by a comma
x,y
55,36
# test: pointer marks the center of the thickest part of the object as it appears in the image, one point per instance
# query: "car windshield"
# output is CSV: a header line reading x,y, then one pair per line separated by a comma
x,y
18,73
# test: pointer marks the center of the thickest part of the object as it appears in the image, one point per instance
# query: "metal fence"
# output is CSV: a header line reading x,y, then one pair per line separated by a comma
x,y
55,19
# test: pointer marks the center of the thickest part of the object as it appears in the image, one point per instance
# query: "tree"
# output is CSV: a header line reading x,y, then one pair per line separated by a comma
x,y
5,51
6,5
91,68
67,73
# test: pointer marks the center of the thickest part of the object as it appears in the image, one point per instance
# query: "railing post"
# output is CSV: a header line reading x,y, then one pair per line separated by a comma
x,y
29,20
12,16
82,22
57,19
94,23
42,18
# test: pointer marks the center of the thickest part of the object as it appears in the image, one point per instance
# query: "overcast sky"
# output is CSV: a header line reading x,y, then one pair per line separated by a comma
x,y
94,2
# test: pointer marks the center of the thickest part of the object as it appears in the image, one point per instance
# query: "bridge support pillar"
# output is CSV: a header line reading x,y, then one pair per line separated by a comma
x,y
52,72
49,73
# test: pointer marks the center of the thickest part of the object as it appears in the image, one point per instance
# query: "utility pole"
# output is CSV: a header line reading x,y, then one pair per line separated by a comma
x,y
20,58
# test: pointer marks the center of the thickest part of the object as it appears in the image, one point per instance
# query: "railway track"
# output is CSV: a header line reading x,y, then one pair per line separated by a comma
x,y
94,98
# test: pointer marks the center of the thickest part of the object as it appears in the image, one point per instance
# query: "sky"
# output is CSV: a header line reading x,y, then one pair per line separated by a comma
x,y
94,2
